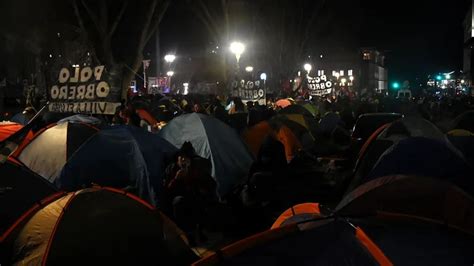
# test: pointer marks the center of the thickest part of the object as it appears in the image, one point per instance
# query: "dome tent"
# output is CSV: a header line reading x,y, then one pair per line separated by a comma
x,y
20,190
100,226
214,140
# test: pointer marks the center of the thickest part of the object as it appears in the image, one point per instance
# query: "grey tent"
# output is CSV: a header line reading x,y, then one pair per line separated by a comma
x,y
214,140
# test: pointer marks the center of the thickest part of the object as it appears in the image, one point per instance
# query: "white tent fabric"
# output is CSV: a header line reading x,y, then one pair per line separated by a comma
x,y
214,140
51,147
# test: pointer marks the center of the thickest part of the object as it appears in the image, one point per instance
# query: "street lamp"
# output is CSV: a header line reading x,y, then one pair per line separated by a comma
x,y
307,67
238,49
263,76
169,58
249,68
343,80
351,78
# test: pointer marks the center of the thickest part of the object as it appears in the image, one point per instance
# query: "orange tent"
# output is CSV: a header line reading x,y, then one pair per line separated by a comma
x,y
282,103
145,115
255,136
289,140
300,212
7,129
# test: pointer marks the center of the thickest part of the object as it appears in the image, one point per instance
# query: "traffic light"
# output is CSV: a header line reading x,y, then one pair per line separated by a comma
x,y
439,78
396,85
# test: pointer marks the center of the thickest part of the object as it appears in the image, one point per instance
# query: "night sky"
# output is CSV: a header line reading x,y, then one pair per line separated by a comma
x,y
421,38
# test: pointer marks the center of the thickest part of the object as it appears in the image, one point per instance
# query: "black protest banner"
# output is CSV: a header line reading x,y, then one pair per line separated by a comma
x,y
84,90
319,86
248,90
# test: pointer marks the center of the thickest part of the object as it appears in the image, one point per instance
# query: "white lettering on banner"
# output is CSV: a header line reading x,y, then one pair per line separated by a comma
x,y
319,86
98,72
86,74
75,78
248,90
81,90
64,75
102,89
54,92
90,92
84,107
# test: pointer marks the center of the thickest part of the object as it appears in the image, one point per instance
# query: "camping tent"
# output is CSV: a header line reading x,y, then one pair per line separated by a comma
x,y
119,156
395,220
214,140
255,136
424,157
20,190
414,196
385,137
297,110
7,129
50,148
99,226
464,121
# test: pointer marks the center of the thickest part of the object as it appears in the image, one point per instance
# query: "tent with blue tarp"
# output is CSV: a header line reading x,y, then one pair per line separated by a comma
x,y
119,156
214,140
425,157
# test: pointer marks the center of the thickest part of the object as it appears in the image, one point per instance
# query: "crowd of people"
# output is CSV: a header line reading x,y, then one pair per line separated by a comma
x,y
307,152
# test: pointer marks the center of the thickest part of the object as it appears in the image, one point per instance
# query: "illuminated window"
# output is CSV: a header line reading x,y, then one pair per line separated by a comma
x,y
349,72
366,56
341,73
322,72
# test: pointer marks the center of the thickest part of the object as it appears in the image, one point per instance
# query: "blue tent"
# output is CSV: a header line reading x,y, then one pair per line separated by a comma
x,y
422,156
214,140
120,157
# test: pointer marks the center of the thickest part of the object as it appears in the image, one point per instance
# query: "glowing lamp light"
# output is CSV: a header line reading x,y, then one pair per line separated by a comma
x,y
249,68
170,58
237,48
396,85
307,67
170,73
263,76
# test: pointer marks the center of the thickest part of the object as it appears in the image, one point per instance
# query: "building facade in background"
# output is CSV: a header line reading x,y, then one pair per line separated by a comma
x,y
374,75
362,71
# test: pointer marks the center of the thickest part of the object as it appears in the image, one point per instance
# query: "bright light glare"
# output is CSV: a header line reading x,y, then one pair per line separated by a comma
x,y
237,48
170,58
307,67
263,76
249,68
170,73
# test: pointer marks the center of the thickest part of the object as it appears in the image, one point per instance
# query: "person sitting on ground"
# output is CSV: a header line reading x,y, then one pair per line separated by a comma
x,y
190,191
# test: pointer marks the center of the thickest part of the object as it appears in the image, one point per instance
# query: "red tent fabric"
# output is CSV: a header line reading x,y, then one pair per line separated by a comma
x,y
7,129
145,115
